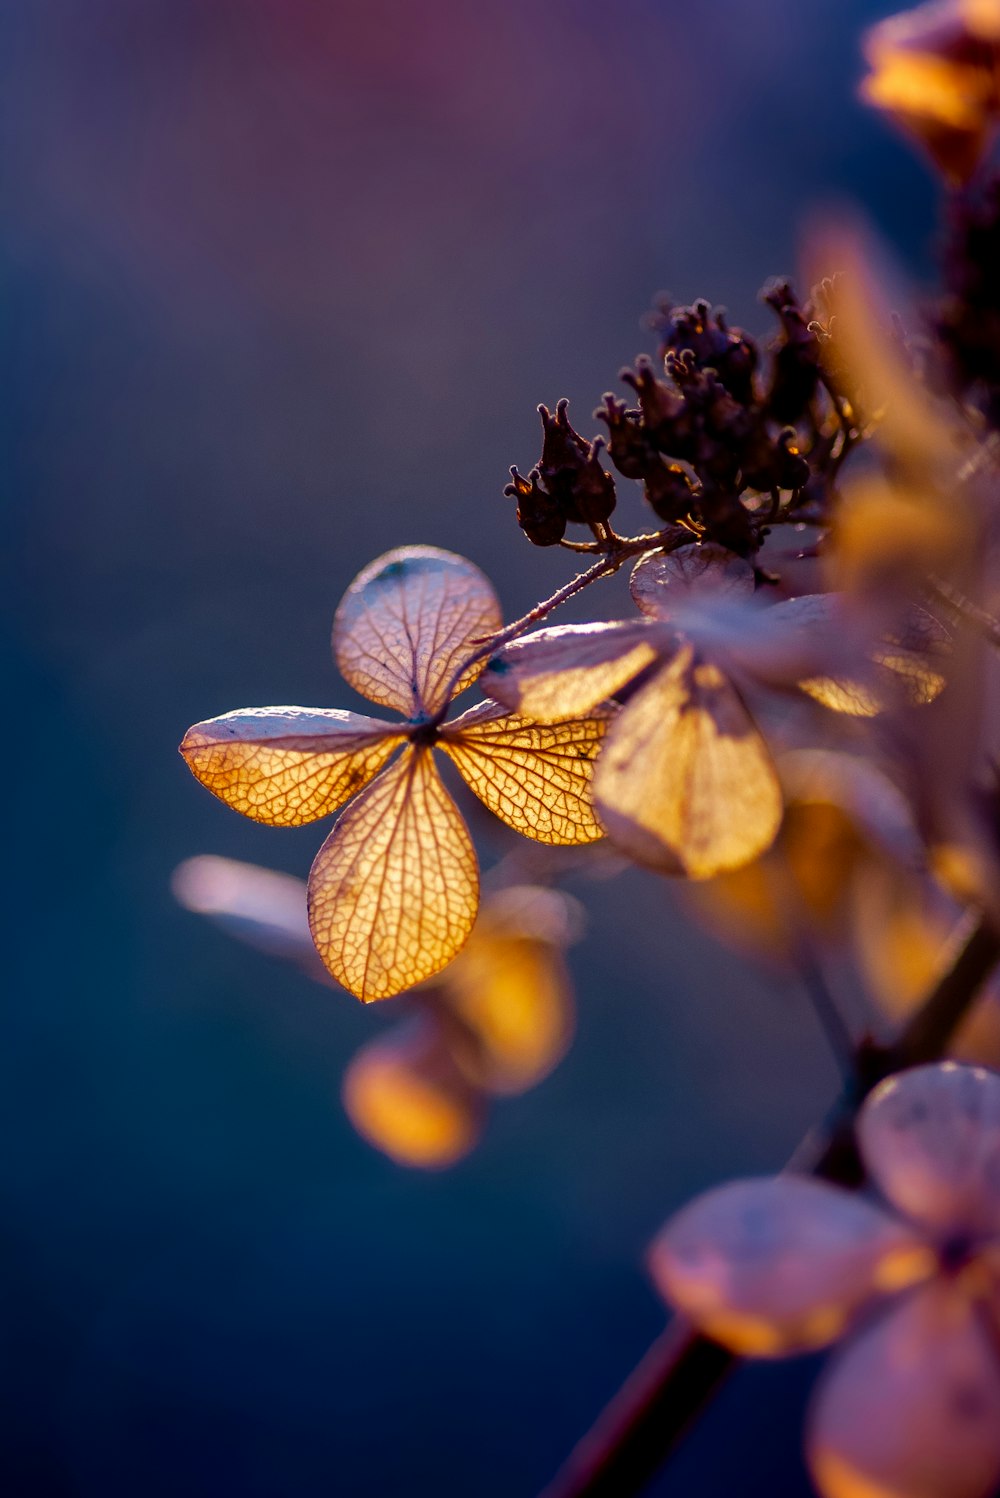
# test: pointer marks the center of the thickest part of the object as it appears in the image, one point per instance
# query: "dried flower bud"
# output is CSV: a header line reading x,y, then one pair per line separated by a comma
x,y
538,514
667,420
795,361
669,490
628,445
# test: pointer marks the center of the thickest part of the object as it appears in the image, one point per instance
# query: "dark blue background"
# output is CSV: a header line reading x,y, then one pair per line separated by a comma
x,y
283,282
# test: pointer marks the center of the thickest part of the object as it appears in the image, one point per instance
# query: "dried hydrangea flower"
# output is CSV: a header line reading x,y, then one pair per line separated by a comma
x,y
394,889
909,1407
496,1022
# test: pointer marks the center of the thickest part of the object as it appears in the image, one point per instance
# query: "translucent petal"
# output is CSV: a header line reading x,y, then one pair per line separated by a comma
x,y
780,1264
660,579
261,907
402,1093
910,1408
537,777
393,890
407,622
569,670
931,1140
510,989
287,765
685,782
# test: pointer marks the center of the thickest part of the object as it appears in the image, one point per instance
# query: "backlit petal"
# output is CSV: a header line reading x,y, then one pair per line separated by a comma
x,y
537,777
287,765
685,782
393,890
780,1264
663,580
407,622
931,1140
566,671
403,1094
910,1408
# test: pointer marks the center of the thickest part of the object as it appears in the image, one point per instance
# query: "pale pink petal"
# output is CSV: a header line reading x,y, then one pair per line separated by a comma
x,y
567,671
262,907
931,1140
662,580
911,1407
779,1264
407,623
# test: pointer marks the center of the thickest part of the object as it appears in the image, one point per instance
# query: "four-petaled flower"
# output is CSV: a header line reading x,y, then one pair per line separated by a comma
x,y
910,1407
394,889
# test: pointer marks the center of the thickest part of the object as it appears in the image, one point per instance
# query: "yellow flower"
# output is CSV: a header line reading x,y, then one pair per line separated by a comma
x,y
393,891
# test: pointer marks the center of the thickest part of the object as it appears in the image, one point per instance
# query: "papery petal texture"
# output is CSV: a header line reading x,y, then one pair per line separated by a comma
x,y
931,1140
537,777
685,782
566,671
394,889
780,1264
406,624
287,765
910,1408
662,580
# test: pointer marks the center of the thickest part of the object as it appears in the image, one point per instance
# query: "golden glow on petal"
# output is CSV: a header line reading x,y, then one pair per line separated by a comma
x,y
536,777
394,889
685,782
511,989
407,622
910,1408
401,1094
781,1264
567,671
287,765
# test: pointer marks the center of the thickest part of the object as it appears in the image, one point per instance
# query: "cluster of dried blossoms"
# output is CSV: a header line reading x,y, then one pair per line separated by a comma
x,y
798,718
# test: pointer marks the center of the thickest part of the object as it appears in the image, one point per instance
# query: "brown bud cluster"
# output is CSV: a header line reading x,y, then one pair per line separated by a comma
x,y
714,419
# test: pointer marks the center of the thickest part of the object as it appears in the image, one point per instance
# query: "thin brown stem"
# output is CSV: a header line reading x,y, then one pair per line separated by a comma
x,y
683,1371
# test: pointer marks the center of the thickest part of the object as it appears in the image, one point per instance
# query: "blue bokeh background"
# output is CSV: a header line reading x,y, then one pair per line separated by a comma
x,y
283,283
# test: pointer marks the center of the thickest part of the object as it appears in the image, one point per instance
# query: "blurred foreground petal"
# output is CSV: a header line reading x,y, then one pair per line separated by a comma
x,y
261,907
393,890
402,1093
931,1140
780,1264
685,782
406,623
910,1408
567,671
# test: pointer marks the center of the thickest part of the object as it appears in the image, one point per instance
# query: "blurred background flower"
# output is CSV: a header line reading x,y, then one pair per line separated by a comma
x,y
283,285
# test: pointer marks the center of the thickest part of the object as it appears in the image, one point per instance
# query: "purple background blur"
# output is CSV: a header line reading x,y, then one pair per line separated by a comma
x,y
283,283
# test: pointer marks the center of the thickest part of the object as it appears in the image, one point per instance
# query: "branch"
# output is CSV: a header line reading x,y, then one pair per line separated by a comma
x,y
683,1370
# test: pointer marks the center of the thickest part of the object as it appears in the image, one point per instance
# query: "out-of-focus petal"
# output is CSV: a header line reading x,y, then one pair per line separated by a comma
x,y
261,907
394,889
512,992
685,782
931,1140
780,1264
406,623
287,765
567,671
537,777
662,580
910,1408
403,1094
902,925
